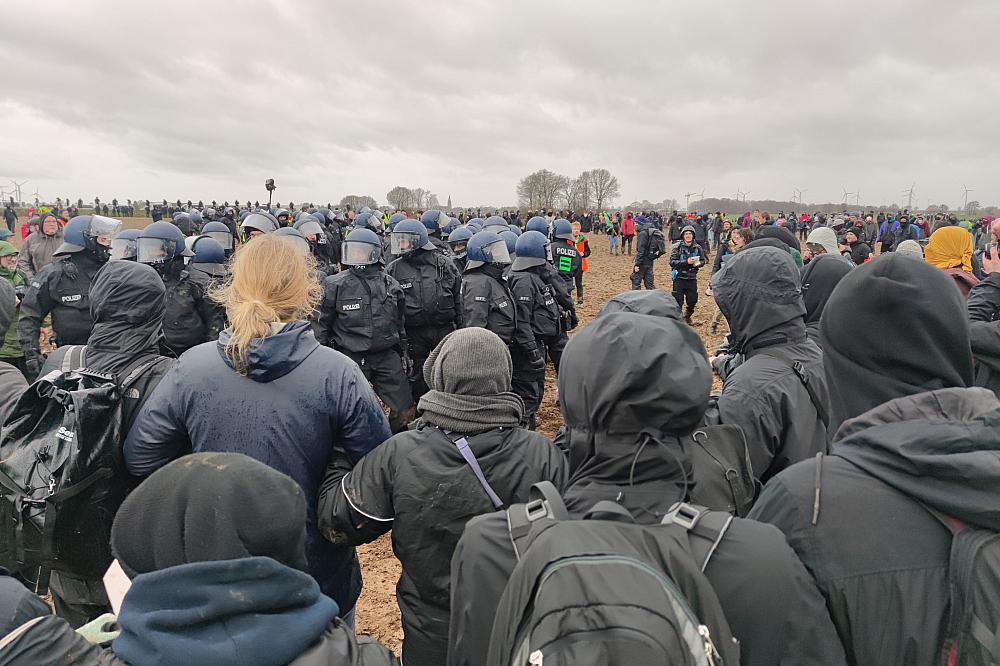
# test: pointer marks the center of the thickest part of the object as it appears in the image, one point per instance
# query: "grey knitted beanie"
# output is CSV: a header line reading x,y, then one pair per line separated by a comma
x,y
469,361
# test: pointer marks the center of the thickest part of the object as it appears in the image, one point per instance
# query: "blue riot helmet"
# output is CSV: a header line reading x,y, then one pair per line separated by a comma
x,y
89,233
295,237
310,228
408,237
196,218
496,224
532,249
486,247
475,221
207,250
458,239
453,224
395,219
365,209
124,246
370,220
562,229
220,232
244,214
282,216
361,248
435,221
514,229
256,224
159,244
510,238
539,224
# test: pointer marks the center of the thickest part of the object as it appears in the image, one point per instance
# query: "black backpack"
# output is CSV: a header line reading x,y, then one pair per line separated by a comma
x,y
62,474
723,473
604,590
657,244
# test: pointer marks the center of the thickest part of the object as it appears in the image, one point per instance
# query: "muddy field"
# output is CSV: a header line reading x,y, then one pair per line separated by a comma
x,y
377,613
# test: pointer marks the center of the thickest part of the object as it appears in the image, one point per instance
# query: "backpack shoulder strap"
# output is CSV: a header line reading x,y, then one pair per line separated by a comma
x,y
74,359
800,372
544,503
705,529
132,373
462,444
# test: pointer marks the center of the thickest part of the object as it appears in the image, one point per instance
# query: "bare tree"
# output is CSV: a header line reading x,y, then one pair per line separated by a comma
x,y
542,189
432,201
604,187
357,201
400,197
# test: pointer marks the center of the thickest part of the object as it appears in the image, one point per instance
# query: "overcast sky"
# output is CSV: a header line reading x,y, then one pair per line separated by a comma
x,y
207,98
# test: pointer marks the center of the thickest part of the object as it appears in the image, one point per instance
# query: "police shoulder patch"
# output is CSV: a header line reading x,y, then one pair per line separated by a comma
x,y
480,299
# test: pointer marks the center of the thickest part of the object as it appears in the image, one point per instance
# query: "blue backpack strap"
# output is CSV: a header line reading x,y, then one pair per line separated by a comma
x,y
470,459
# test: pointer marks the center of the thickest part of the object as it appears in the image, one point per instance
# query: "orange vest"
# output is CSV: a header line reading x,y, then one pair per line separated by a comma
x,y
580,247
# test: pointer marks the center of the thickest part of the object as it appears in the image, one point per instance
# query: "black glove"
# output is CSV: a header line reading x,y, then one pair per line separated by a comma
x,y
536,361
33,362
407,365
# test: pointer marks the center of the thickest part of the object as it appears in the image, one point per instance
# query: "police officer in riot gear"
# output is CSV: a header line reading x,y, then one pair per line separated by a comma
x,y
123,245
433,289
62,288
220,233
565,256
332,221
457,242
255,224
209,258
319,244
362,315
191,317
434,222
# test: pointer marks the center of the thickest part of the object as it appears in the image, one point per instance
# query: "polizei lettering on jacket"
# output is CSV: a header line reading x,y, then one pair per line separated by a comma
x,y
350,306
71,299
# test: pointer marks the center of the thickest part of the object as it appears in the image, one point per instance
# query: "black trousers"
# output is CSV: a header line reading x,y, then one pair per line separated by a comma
x,y
384,369
578,279
527,384
643,276
423,340
78,600
686,290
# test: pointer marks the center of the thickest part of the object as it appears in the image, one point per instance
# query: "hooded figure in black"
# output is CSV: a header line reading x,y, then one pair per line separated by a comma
x,y
214,546
909,437
778,393
127,306
819,278
419,485
632,386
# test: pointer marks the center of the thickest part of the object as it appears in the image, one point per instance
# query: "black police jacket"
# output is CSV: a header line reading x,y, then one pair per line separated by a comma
x,y
535,303
566,258
433,289
61,289
363,310
190,316
488,303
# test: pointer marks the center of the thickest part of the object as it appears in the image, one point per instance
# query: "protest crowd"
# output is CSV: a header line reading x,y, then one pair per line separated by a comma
x,y
203,418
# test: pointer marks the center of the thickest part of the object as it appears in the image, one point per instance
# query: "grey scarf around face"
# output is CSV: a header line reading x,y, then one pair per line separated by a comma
x,y
469,376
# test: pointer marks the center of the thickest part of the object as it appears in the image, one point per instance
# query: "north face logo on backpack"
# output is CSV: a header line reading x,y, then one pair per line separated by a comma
x,y
65,435
131,394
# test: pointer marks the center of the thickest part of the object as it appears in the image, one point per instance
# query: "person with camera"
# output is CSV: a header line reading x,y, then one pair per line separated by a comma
x,y
10,350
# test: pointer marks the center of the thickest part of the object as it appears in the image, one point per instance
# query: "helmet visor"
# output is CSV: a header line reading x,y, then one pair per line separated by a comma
x,y
311,228
223,238
103,228
404,242
155,250
443,220
357,253
458,248
298,241
122,248
496,252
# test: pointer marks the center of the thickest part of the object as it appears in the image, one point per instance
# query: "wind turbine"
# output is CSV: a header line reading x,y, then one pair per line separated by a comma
x,y
738,193
965,206
17,189
745,195
846,194
36,196
801,192
687,200
857,198
909,196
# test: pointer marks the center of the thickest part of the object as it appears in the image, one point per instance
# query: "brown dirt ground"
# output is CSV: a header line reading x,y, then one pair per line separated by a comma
x,y
377,613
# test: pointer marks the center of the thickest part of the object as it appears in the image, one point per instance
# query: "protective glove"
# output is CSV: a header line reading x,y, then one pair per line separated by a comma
x,y
536,361
102,630
33,361
407,365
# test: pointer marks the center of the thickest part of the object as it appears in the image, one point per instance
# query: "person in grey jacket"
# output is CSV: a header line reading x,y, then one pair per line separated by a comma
x,y
910,437
422,486
778,393
269,390
40,245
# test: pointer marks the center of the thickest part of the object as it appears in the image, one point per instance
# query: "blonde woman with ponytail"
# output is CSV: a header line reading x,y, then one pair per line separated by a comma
x,y
269,390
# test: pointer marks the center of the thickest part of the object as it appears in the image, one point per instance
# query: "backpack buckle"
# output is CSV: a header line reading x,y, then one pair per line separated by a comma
x,y
683,514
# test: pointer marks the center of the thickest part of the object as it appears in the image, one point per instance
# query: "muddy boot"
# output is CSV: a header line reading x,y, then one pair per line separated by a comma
x,y
688,311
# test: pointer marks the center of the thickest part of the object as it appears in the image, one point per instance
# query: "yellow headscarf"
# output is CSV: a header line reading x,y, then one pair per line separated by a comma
x,y
950,247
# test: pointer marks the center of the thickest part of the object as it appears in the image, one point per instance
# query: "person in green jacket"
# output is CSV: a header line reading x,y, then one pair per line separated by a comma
x,y
10,350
